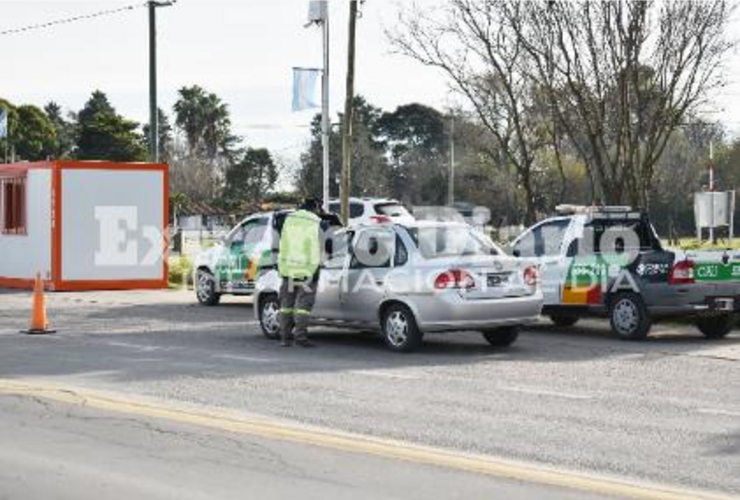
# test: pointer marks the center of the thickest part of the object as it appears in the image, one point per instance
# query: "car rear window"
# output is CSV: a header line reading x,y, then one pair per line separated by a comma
x,y
630,235
392,210
436,242
356,210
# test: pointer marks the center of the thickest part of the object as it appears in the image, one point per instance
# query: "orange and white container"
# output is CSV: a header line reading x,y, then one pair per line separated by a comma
x,y
84,225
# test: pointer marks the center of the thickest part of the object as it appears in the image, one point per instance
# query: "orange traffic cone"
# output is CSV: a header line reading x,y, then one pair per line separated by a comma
x,y
39,321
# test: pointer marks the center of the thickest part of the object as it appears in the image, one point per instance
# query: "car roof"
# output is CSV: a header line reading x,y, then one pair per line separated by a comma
x,y
264,214
416,224
367,200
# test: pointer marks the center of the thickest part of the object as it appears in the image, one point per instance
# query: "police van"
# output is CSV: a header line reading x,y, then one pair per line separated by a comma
x,y
609,261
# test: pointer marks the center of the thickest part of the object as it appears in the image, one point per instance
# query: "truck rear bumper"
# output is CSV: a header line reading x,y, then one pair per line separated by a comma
x,y
693,300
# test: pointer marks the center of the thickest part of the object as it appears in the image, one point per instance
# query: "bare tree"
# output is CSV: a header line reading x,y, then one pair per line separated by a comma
x,y
471,42
622,75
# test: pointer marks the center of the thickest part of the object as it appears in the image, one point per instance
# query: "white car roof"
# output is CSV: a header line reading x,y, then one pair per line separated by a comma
x,y
367,200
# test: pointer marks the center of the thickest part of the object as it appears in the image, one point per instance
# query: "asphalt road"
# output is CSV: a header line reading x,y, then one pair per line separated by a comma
x,y
665,411
65,452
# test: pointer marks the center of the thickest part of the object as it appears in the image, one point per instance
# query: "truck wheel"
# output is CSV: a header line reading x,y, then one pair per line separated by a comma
x,y
629,317
400,332
502,337
716,327
205,288
564,320
270,317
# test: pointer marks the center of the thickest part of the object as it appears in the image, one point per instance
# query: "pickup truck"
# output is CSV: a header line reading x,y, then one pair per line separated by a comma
x,y
609,261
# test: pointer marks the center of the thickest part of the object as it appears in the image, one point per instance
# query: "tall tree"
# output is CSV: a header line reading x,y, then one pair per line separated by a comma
x,y
105,135
417,140
66,131
470,42
7,143
205,121
31,135
622,76
251,179
369,162
208,148
35,136
166,137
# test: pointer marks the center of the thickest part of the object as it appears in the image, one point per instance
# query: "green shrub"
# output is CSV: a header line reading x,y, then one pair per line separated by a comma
x,y
181,272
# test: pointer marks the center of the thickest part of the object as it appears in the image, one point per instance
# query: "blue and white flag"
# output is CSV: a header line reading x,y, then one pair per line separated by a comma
x,y
3,122
304,88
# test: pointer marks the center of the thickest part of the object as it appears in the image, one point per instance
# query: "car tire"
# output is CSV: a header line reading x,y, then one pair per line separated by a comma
x,y
629,317
564,320
205,288
716,327
502,337
400,331
269,315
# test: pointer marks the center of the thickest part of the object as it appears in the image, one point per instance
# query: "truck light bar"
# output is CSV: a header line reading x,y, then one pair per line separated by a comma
x,y
601,212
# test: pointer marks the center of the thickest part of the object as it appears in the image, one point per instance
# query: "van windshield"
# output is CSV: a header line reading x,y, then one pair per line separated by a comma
x,y
436,242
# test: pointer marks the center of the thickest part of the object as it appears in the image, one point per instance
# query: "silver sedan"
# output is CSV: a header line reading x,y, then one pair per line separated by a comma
x,y
412,279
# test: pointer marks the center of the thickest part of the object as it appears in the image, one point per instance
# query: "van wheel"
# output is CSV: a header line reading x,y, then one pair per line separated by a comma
x,y
629,317
716,327
205,288
270,317
502,337
400,332
564,320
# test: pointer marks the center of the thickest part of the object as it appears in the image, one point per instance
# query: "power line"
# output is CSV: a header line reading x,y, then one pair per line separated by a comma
x,y
69,20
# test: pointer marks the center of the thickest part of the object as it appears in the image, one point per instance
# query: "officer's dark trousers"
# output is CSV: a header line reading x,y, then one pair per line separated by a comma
x,y
297,298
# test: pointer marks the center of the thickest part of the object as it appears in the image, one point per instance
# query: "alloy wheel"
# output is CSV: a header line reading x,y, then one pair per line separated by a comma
x,y
271,317
397,328
626,316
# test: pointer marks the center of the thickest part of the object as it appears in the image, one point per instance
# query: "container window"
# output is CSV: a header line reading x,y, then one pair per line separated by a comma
x,y
13,205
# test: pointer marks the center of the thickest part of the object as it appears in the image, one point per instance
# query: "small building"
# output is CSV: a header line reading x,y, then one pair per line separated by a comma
x,y
84,225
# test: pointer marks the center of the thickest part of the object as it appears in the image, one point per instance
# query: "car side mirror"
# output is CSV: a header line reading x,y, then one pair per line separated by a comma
x,y
516,252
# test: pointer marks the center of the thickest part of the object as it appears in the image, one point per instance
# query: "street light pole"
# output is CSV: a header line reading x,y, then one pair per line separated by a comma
x,y
325,119
153,107
451,185
319,14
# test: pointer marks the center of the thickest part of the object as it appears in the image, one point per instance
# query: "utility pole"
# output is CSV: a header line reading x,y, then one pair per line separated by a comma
x,y
711,189
349,113
153,107
451,185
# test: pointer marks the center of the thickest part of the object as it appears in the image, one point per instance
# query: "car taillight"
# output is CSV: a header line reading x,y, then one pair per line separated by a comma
x,y
531,276
381,219
454,279
682,273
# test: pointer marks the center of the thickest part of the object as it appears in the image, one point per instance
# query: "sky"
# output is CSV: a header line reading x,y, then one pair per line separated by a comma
x,y
243,50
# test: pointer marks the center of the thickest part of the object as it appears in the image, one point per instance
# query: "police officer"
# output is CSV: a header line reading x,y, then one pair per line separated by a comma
x,y
298,264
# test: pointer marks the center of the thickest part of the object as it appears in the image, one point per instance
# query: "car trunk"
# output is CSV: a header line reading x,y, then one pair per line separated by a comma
x,y
494,277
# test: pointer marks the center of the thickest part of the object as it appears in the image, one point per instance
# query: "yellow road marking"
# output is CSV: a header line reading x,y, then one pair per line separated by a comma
x,y
383,448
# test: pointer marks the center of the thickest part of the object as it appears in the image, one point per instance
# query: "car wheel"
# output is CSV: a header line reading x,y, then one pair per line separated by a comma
x,y
270,317
502,337
716,327
205,288
629,317
400,332
564,320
